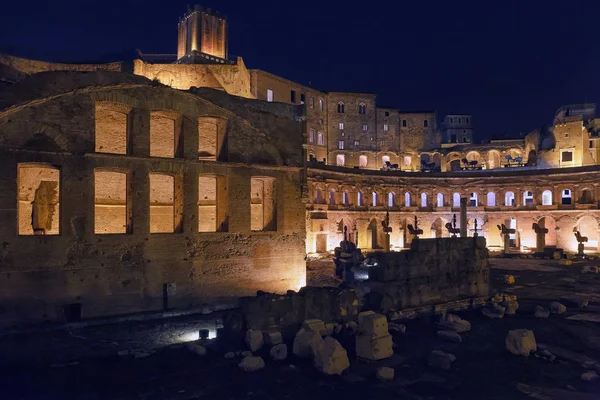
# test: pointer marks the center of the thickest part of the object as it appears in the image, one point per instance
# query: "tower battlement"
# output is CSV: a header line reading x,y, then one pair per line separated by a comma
x,y
202,30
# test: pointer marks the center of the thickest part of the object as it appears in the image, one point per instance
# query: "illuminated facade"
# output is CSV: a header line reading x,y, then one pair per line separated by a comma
x,y
197,180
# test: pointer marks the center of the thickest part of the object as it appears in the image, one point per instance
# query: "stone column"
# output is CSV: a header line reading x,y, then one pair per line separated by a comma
x,y
463,217
77,200
141,203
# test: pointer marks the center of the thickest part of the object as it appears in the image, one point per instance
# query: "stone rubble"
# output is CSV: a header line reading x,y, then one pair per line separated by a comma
x,y
574,302
590,269
557,308
314,325
306,343
272,338
440,359
373,340
520,342
278,352
455,323
590,376
385,374
254,340
229,355
540,312
493,311
251,364
246,353
331,358
394,327
509,279
450,335
510,307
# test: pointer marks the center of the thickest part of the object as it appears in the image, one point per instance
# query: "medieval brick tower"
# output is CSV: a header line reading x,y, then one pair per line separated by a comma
x,y
202,37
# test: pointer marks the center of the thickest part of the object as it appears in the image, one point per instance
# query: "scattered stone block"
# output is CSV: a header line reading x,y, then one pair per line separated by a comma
x,y
385,374
278,352
272,338
364,314
197,349
229,355
400,328
251,364
337,328
510,307
494,311
557,308
565,261
540,312
246,353
440,359
306,343
315,325
450,335
331,358
454,323
569,256
374,348
329,329
509,279
590,376
520,342
254,340
556,255
373,325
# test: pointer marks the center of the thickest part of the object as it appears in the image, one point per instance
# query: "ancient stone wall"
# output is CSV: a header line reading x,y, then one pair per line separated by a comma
x,y
100,250
433,271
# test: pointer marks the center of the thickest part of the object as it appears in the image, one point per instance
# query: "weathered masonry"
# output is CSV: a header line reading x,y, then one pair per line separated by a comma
x,y
119,195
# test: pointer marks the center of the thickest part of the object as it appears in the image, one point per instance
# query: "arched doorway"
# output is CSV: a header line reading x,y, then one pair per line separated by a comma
x,y
375,235
550,224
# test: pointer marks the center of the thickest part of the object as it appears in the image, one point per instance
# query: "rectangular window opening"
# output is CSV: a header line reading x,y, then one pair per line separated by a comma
x,y
112,123
270,95
164,134
212,204
38,197
165,203
211,137
112,212
263,214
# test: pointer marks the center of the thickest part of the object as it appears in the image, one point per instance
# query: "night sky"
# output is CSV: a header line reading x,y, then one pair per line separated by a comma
x,y
509,63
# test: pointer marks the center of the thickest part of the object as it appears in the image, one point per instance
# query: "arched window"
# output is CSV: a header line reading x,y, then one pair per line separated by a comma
x,y
586,197
456,200
362,108
509,199
547,198
340,107
385,160
375,199
345,198
566,196
332,197
473,200
423,199
440,200
340,160
391,199
406,199
319,196
528,198
491,199
362,161
359,199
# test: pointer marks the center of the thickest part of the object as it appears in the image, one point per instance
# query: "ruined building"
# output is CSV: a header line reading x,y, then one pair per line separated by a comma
x,y
181,180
